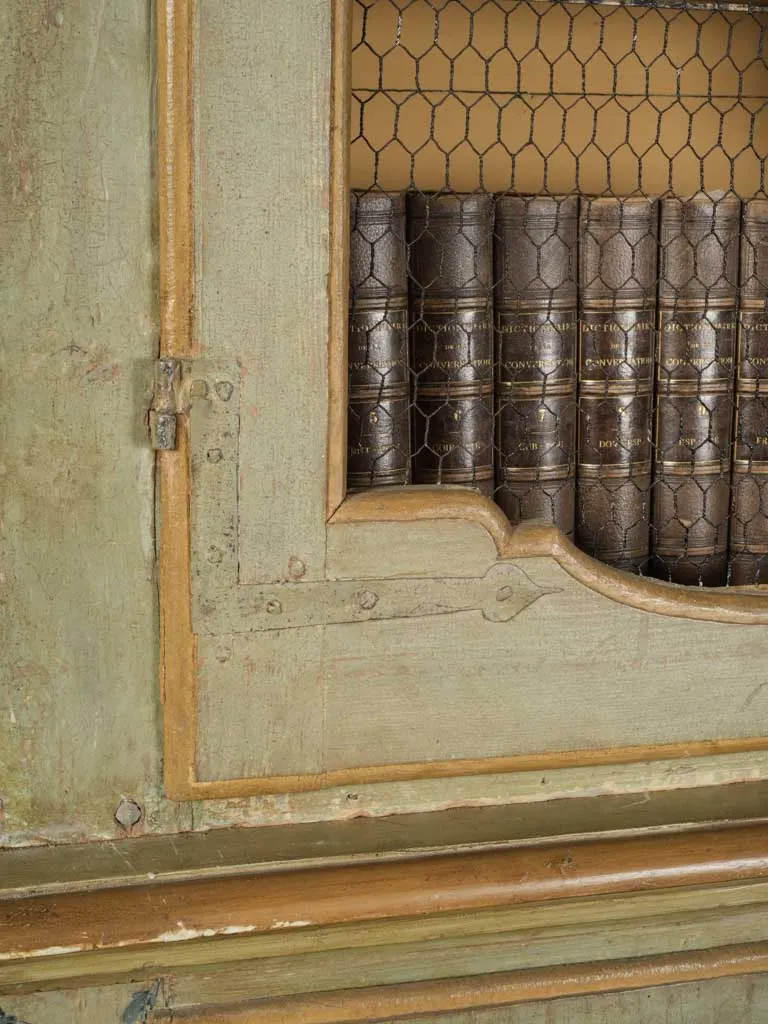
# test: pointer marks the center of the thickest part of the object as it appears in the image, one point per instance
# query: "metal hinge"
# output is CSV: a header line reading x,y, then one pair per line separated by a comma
x,y
208,393
501,594
165,404
223,604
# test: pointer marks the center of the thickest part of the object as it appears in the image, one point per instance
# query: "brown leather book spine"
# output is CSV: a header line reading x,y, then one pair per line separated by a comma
x,y
749,483
451,337
378,420
698,293
536,332
617,278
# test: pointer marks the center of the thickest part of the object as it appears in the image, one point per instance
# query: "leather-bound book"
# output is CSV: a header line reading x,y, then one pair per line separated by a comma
x,y
617,278
536,326
698,293
378,420
749,483
451,336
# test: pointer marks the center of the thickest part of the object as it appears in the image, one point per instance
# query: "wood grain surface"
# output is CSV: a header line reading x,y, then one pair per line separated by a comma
x,y
744,998
421,1000
79,311
369,892
178,663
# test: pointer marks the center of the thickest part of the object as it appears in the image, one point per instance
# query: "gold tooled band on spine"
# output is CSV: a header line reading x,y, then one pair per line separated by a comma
x,y
451,339
536,326
698,293
748,541
618,241
378,422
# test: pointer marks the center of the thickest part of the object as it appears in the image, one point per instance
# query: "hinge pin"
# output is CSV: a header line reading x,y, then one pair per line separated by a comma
x,y
163,414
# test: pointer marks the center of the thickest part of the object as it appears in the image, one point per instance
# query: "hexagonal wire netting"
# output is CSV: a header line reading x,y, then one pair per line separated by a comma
x,y
559,270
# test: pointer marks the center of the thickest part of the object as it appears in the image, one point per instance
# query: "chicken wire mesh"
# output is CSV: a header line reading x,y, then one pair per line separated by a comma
x,y
559,270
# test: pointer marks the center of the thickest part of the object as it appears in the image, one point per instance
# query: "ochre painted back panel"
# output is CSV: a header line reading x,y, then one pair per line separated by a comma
x,y
557,97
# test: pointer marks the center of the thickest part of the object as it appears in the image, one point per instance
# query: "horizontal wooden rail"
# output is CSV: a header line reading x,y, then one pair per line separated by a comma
x,y
318,897
561,806
423,999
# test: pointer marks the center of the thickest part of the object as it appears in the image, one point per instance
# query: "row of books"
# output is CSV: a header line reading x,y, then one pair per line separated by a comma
x,y
600,363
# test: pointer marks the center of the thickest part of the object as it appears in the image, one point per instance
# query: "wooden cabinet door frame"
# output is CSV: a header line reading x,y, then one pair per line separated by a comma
x,y
361,579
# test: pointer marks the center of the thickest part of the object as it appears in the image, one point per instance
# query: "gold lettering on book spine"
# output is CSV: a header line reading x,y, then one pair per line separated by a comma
x,y
451,338
378,425
698,277
536,326
617,277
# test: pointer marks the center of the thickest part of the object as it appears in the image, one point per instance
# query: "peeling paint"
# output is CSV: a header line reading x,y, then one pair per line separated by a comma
x,y
78,278
141,1005
181,933
48,951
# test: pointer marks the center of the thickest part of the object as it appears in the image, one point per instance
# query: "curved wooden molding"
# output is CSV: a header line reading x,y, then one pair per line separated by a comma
x,y
178,662
417,1000
338,276
745,605
294,900
175,25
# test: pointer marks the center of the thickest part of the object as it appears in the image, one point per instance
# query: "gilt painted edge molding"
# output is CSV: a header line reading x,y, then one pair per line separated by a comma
x,y
178,671
178,654
421,1000
745,605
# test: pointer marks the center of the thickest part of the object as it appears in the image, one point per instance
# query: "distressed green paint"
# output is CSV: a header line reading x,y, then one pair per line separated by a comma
x,y
574,671
79,721
108,1004
79,704
262,222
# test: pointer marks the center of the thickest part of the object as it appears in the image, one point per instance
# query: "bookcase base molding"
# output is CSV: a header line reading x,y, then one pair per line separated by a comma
x,y
364,941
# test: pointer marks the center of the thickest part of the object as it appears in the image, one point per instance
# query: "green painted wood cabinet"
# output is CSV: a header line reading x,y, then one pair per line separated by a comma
x,y
215,636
